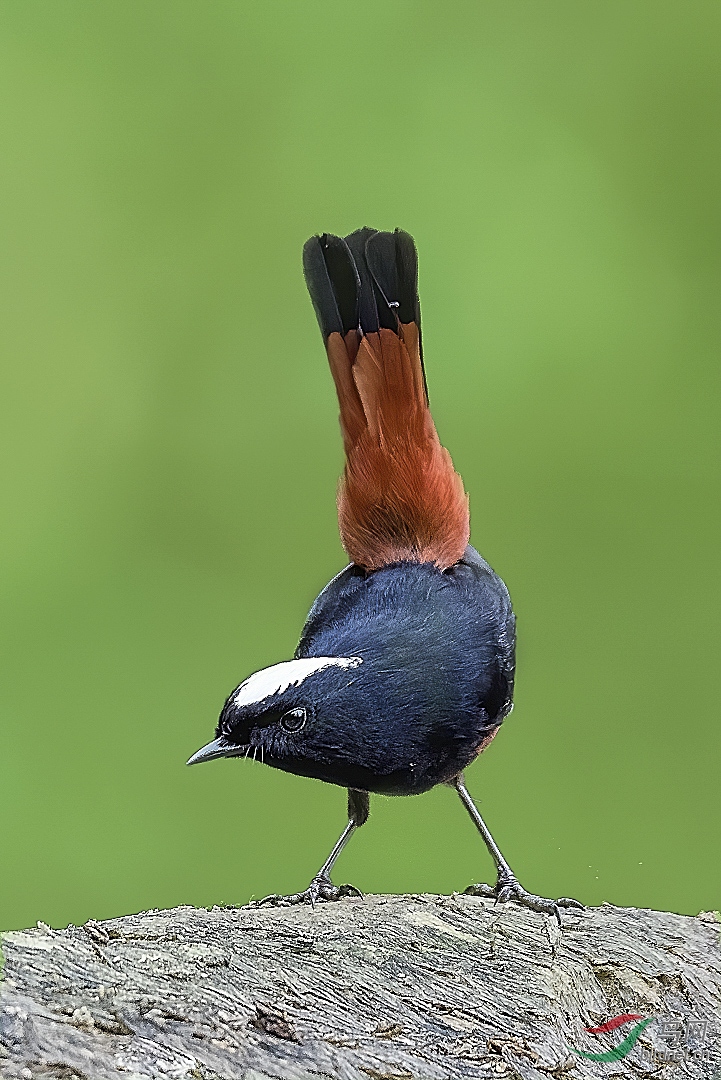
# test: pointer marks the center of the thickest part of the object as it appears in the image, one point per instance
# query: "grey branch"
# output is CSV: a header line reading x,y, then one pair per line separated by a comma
x,y
381,988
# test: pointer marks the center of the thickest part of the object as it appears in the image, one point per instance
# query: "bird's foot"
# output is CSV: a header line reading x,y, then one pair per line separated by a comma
x,y
320,889
509,888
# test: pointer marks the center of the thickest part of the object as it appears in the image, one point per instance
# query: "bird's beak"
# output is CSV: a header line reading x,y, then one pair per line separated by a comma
x,y
215,749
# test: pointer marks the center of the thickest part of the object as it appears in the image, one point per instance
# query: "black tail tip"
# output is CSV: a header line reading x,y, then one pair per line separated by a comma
x,y
366,280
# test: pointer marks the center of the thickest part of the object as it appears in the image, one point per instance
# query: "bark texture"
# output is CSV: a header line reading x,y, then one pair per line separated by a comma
x,y
383,988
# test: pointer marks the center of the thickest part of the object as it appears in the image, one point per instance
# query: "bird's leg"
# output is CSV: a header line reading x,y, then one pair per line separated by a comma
x,y
507,886
321,887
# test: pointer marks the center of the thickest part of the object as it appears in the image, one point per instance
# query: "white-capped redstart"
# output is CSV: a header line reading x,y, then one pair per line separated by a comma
x,y
405,666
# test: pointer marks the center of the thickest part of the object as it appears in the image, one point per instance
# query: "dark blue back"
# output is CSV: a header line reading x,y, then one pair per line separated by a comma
x,y
438,662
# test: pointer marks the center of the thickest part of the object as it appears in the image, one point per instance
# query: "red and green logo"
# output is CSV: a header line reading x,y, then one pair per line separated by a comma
x,y
624,1047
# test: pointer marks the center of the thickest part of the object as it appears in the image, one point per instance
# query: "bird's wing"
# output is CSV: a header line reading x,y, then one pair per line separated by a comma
x,y
400,497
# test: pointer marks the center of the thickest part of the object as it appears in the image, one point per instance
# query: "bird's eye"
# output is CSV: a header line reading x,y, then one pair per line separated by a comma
x,y
293,720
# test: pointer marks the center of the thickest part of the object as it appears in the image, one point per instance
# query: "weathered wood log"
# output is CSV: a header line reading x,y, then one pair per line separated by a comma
x,y
384,988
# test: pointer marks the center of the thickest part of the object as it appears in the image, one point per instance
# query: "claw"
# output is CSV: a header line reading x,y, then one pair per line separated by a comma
x,y
320,889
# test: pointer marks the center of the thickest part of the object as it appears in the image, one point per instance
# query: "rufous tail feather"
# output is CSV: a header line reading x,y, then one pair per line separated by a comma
x,y
400,499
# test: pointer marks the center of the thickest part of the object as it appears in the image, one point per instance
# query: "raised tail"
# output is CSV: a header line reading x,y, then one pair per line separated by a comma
x,y
400,499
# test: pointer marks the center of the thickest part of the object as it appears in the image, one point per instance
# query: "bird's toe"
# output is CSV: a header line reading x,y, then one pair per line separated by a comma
x,y
480,890
273,900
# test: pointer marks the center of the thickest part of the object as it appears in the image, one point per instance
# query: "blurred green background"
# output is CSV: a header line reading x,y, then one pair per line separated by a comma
x,y
170,446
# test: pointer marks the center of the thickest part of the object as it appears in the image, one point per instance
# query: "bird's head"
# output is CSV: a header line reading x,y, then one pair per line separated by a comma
x,y
358,721
288,716
334,718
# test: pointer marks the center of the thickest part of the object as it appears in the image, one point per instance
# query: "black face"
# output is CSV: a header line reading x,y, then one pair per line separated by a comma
x,y
302,739
264,734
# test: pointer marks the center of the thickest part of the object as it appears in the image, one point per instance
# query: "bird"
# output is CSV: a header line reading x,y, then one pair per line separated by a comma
x,y
405,667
